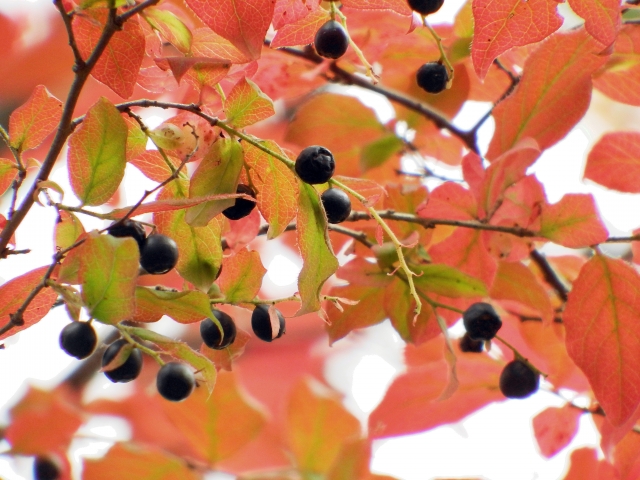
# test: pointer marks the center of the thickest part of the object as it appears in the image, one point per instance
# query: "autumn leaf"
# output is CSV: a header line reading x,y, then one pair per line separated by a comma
x,y
614,162
8,172
601,18
223,358
553,94
573,222
68,229
171,27
398,6
246,104
451,201
301,32
601,320
447,281
31,123
241,277
319,262
555,427
96,155
187,306
208,44
108,274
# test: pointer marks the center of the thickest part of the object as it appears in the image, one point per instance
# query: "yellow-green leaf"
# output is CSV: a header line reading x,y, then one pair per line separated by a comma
x,y
246,104
448,281
188,306
241,277
170,27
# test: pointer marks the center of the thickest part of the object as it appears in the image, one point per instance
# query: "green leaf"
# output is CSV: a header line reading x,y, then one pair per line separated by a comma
x,y
448,281
246,104
8,172
96,156
67,230
218,173
181,351
108,273
185,307
319,262
170,27
379,151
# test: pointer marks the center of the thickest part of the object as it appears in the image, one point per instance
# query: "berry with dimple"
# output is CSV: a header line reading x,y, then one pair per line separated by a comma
x,y
78,339
175,381
159,254
336,205
210,332
261,324
129,228
432,77
481,321
425,7
315,165
242,207
331,40
44,468
518,380
129,370
468,344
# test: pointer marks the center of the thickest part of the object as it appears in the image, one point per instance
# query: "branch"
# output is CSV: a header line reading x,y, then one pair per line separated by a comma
x,y
66,19
550,275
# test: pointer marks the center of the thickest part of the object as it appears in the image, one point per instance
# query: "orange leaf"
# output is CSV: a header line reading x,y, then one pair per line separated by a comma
x,y
153,166
451,201
398,6
553,94
503,24
555,427
573,222
246,104
601,18
586,466
627,456
31,123
209,44
603,338
301,32
614,162
223,359
15,291
241,276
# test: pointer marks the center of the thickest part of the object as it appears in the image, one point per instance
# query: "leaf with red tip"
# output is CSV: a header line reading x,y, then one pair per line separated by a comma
x,y
301,32
31,123
603,336
8,172
96,155
614,162
15,292
246,104
573,222
241,276
188,306
319,261
244,24
553,94
503,24
120,63
555,427
601,18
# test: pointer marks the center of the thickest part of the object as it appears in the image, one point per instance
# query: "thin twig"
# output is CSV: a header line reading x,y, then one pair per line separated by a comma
x,y
550,275
66,19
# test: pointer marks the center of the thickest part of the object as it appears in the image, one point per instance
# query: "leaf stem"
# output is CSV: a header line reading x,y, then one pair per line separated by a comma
x,y
443,55
125,331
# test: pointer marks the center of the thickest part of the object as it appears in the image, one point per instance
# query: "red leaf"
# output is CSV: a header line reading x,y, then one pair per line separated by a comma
x,y
290,11
243,23
120,63
620,79
573,222
398,6
31,123
179,66
614,162
15,291
301,32
553,94
586,466
153,166
451,201
627,457
503,24
603,338
601,18
555,427
209,44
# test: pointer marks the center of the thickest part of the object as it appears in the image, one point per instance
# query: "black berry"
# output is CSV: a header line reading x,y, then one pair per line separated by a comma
x,y
78,339
467,344
44,468
481,321
261,324
315,165
129,370
159,254
129,228
331,40
432,77
242,207
336,205
175,381
210,332
518,380
425,7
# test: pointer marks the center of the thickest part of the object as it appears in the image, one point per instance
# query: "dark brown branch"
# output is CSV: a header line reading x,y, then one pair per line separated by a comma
x,y
66,19
549,274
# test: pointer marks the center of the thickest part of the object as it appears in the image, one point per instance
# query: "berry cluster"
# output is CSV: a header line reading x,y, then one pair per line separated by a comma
x,y
518,379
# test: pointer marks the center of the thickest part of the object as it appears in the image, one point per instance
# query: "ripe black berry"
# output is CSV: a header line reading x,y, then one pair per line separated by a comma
x,y
159,254
467,344
331,40
175,381
242,207
336,204
261,323
129,228
44,468
78,339
315,165
210,332
129,370
432,77
425,7
518,380
481,321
